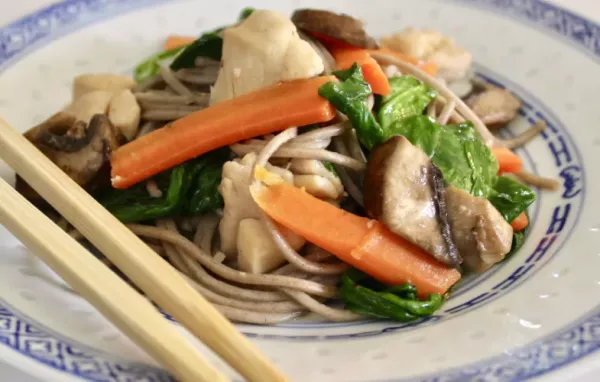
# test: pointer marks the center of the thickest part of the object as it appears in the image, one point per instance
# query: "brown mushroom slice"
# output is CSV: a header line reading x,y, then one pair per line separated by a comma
x,y
481,234
81,151
495,106
337,26
405,191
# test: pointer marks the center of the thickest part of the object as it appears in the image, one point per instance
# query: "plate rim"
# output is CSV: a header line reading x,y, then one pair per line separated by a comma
x,y
75,14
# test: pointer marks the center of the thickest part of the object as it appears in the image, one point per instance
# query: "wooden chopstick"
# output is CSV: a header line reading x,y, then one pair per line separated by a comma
x,y
153,275
112,296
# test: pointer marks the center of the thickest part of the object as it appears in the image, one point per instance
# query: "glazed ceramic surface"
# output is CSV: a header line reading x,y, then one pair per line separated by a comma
x,y
536,314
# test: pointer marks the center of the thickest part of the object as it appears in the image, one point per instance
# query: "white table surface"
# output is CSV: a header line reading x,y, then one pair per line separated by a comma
x,y
11,10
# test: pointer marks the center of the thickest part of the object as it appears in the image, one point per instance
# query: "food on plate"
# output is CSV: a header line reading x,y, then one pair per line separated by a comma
x,y
283,163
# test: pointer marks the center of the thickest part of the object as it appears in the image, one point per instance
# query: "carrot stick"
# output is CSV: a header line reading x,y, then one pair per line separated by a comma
x,y
520,223
508,161
174,41
268,110
363,243
374,75
429,68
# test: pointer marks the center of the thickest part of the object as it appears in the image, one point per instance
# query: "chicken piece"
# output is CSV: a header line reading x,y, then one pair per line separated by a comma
x,y
405,191
429,45
112,83
125,112
316,178
481,234
494,106
262,50
257,252
336,26
239,205
90,104
318,186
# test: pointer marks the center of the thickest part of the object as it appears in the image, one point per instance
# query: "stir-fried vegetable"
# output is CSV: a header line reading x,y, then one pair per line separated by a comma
x,y
346,57
350,98
368,297
174,41
208,45
427,67
151,66
250,115
511,198
509,162
363,243
409,97
188,189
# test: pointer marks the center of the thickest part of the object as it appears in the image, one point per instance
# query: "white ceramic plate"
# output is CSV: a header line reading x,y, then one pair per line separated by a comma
x,y
534,314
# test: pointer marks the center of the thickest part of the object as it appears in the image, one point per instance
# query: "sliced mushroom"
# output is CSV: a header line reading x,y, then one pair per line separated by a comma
x,y
481,234
257,252
337,26
112,83
263,50
404,191
495,106
124,112
81,151
90,104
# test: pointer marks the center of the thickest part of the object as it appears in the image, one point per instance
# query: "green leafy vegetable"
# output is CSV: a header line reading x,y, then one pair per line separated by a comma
x,y
205,196
188,189
511,197
150,67
457,150
208,45
366,296
409,97
350,98
245,13
329,166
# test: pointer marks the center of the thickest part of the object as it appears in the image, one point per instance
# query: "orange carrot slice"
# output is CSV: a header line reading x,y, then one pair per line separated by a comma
x,y
265,111
520,223
174,42
429,68
372,71
363,243
508,161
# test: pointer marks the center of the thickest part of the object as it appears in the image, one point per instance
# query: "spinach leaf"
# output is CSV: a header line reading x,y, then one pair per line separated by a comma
x,y
205,194
151,66
511,197
457,150
208,45
368,297
468,163
245,13
188,189
350,98
420,130
409,97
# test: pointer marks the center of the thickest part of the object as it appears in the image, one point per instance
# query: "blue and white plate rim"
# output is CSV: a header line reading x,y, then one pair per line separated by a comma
x,y
577,339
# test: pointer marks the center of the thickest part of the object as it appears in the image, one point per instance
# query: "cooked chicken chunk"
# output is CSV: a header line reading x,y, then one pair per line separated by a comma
x,y
124,112
112,83
316,179
90,104
263,50
401,191
258,253
239,205
481,234
429,45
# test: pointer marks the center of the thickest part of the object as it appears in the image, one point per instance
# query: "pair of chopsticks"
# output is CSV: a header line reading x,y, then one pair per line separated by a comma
x,y
112,296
